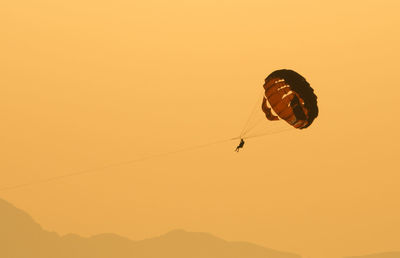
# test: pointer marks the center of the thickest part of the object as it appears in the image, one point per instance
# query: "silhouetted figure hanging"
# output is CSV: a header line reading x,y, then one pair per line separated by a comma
x,y
240,145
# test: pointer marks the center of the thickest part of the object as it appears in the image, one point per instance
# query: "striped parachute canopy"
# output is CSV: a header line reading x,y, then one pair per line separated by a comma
x,y
288,96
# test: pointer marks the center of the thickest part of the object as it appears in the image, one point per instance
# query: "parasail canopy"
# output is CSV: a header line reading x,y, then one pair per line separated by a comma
x,y
288,96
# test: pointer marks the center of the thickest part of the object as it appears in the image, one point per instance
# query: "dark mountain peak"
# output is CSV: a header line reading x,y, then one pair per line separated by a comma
x,y
379,255
111,238
72,237
9,210
179,234
21,237
12,218
177,231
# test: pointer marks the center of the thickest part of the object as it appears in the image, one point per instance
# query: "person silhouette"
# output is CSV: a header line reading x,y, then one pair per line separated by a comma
x,y
240,145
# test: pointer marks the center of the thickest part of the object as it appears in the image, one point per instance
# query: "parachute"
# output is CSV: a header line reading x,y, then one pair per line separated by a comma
x,y
286,96
289,96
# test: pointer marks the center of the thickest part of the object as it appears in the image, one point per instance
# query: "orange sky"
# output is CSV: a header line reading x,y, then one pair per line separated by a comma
x,y
89,83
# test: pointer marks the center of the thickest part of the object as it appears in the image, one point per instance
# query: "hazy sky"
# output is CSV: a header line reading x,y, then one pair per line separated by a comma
x,y
88,83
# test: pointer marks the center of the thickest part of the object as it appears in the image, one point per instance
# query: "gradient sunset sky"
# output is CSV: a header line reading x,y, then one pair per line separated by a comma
x,y
86,83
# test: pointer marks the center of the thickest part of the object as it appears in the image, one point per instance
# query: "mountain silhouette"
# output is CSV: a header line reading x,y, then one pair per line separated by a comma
x,y
22,237
379,255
